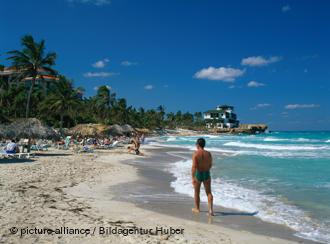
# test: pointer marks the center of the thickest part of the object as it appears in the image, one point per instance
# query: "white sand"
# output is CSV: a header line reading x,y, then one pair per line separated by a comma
x,y
73,191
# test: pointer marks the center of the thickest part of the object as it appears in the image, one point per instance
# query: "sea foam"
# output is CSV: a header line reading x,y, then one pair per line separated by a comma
x,y
270,208
274,147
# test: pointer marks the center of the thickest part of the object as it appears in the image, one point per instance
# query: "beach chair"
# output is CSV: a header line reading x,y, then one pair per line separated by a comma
x,y
113,145
16,155
35,148
40,147
85,149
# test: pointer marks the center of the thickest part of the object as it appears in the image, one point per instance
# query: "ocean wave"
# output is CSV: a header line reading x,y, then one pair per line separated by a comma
x,y
234,152
274,139
300,139
270,208
304,140
171,139
323,185
275,147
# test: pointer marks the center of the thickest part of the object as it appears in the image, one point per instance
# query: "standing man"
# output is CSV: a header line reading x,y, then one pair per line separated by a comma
x,y
200,171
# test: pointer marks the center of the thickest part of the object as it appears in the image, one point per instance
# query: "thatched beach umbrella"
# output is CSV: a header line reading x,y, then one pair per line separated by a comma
x,y
89,129
30,128
143,131
127,129
117,130
3,131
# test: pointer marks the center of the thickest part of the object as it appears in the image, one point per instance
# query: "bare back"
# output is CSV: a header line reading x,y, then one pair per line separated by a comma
x,y
204,160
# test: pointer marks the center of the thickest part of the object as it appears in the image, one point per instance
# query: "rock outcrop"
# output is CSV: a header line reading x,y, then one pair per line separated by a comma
x,y
244,129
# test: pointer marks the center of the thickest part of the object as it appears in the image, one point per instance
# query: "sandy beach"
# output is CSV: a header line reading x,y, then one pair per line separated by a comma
x,y
164,122
83,198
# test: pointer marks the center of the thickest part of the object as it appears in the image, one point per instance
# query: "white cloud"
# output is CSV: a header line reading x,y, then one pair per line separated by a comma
x,y
93,2
298,106
260,105
128,63
254,83
101,63
148,87
256,61
99,74
286,8
221,73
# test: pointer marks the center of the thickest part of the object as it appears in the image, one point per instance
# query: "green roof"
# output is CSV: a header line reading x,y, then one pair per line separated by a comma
x,y
215,111
226,106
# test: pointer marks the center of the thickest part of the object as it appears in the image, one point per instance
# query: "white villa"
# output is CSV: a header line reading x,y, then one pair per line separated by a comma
x,y
221,117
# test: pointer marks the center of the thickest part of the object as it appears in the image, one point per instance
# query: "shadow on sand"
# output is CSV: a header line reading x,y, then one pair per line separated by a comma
x,y
30,160
52,154
15,160
221,213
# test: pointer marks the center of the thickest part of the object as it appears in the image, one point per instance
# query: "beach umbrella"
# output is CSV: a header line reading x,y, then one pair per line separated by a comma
x,y
3,131
30,128
115,130
143,131
127,129
89,129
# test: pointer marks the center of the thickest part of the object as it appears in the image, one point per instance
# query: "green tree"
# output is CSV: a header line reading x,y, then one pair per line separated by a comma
x,y
161,116
171,120
120,112
63,100
32,62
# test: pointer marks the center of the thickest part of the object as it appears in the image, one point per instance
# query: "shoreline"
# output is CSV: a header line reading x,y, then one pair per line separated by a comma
x,y
155,203
82,191
153,173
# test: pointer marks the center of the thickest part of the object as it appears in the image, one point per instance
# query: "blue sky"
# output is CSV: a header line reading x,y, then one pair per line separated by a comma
x,y
270,59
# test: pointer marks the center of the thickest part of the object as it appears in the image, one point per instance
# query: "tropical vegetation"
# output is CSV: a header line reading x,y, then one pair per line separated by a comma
x,y
29,92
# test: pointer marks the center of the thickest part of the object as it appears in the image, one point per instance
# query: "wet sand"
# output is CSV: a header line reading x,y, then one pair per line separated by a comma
x,y
153,192
113,190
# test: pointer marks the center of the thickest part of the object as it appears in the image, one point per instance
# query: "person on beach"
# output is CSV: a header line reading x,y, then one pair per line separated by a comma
x,y
200,171
142,138
136,148
11,147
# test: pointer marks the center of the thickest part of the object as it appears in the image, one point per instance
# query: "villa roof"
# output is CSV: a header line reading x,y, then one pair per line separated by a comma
x,y
7,71
12,70
225,106
215,111
46,77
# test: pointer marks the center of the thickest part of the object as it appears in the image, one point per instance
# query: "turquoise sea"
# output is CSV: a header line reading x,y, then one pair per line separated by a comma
x,y
285,176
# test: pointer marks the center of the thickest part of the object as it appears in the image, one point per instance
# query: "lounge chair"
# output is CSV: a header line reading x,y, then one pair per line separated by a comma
x,y
16,155
114,144
109,146
40,147
85,149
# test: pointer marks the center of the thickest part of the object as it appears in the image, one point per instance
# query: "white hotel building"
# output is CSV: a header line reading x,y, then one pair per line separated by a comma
x,y
221,117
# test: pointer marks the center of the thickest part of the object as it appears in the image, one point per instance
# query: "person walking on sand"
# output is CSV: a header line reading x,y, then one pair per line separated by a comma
x,y
200,171
136,148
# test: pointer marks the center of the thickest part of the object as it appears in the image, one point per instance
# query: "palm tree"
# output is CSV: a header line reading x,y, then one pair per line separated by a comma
x,y
102,102
121,111
63,100
171,120
32,62
161,116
